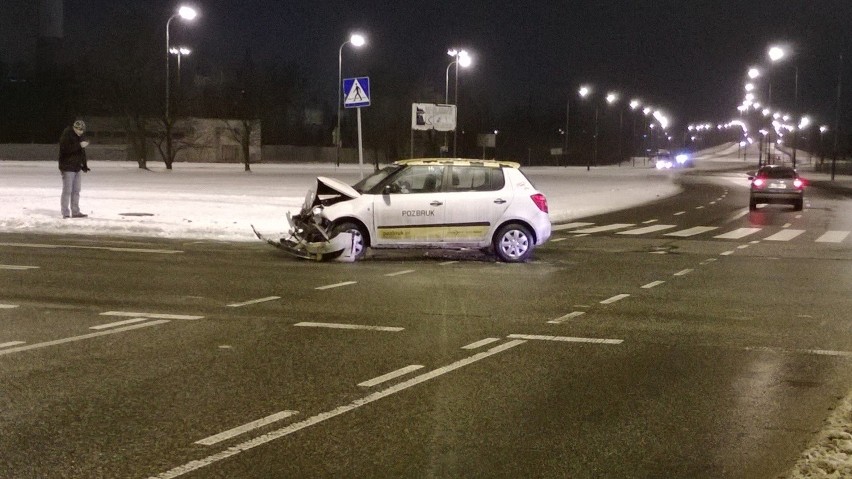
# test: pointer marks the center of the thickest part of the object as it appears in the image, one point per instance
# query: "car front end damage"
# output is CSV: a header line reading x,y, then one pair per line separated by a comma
x,y
310,234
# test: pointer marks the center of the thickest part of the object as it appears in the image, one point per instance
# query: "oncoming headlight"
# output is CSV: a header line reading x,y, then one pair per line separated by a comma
x,y
681,158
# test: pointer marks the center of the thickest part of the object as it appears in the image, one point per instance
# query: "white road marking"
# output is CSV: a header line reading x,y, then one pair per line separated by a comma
x,y
391,375
652,284
740,214
679,213
819,352
785,235
151,315
254,301
649,221
707,261
743,246
209,441
569,226
683,272
754,242
447,262
598,229
617,297
336,285
646,229
480,343
726,253
11,343
738,233
566,339
584,234
699,207
712,202
832,237
17,267
697,230
80,338
398,273
660,252
105,248
271,436
8,306
309,324
562,319
556,240
787,225
798,216
119,323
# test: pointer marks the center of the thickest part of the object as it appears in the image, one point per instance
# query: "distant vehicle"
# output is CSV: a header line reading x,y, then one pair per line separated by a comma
x,y
662,160
776,184
425,203
684,160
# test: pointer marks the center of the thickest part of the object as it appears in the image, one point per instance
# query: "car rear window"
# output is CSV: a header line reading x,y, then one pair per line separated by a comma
x,y
476,178
778,173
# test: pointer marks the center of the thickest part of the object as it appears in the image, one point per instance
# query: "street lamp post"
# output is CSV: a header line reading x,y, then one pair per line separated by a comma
x,y
634,104
584,92
357,41
185,13
463,58
612,99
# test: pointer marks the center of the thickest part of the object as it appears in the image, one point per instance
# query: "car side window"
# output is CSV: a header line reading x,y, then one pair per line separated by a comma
x,y
477,178
418,179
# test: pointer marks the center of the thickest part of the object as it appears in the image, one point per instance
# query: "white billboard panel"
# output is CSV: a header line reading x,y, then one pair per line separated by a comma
x,y
429,116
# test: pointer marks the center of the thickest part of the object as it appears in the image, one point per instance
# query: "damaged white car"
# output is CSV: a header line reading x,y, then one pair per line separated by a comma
x,y
425,203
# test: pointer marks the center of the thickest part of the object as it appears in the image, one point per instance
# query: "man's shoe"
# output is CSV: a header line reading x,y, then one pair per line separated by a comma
x,y
65,217
79,215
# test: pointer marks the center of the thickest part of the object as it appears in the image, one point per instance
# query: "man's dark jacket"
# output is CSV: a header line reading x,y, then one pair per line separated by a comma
x,y
72,156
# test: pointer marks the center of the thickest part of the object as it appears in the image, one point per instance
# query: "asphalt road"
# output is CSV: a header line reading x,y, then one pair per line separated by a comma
x,y
712,343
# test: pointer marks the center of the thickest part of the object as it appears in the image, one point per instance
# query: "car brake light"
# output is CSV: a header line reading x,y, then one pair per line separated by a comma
x,y
540,201
798,183
758,182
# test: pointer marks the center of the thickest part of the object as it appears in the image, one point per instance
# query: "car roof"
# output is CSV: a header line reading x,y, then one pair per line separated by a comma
x,y
776,167
459,162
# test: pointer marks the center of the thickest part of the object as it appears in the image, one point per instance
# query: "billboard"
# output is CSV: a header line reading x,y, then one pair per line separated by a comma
x,y
429,116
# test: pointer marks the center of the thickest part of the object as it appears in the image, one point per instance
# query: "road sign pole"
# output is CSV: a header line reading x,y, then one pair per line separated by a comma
x,y
360,147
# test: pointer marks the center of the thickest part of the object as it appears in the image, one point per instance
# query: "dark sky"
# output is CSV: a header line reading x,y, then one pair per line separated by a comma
x,y
686,56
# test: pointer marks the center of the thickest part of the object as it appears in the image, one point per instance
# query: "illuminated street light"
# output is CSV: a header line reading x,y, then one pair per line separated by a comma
x,y
357,40
180,52
753,73
584,91
776,53
188,14
749,86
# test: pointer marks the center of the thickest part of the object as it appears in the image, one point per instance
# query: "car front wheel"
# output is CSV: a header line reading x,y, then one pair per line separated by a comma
x,y
359,241
513,243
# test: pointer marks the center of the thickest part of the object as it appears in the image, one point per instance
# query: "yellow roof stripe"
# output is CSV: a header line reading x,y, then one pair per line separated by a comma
x,y
459,162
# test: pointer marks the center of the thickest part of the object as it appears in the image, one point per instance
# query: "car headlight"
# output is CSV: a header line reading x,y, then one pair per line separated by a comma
x,y
316,212
681,159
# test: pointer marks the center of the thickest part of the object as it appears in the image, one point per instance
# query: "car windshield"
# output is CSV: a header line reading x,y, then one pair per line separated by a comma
x,y
371,181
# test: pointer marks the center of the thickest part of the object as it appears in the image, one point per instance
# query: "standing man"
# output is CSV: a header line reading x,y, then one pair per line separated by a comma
x,y
72,161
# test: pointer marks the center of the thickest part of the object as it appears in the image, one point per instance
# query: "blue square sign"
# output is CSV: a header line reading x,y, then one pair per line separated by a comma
x,y
356,92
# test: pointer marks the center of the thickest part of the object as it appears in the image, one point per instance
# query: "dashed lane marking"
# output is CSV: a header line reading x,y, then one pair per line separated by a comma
x,y
119,323
8,306
646,230
222,436
447,262
652,284
570,226
833,237
80,338
785,235
11,343
105,248
151,315
17,267
571,315
697,230
399,273
679,213
738,233
566,339
336,285
311,421
598,229
649,221
391,375
683,272
617,297
480,343
309,324
254,301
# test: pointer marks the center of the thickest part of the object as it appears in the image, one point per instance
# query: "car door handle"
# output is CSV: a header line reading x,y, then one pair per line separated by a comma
x,y
499,201
436,203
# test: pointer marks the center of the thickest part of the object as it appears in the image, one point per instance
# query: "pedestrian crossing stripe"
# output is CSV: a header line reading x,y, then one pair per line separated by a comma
x,y
579,229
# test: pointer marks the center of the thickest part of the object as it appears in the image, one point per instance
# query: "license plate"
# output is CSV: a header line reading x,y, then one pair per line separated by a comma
x,y
779,186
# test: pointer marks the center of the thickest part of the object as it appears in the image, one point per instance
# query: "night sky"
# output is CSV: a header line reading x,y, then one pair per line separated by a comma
x,y
688,57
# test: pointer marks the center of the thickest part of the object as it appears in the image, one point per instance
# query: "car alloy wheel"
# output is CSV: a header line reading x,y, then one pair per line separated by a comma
x,y
513,243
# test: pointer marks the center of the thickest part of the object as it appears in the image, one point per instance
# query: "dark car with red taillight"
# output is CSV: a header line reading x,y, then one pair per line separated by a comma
x,y
776,184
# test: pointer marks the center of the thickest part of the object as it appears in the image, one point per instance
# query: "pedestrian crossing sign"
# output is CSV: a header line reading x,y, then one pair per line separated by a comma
x,y
356,92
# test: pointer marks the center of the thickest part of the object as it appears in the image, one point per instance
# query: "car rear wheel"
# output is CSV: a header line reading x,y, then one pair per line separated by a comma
x,y
513,243
359,238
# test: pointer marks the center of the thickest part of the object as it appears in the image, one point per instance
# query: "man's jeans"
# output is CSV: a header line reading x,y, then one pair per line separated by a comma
x,y
71,183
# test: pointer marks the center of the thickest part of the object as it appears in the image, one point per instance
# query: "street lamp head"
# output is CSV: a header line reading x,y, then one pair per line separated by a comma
x,y
187,13
749,86
647,110
180,51
584,91
357,40
804,122
634,104
464,59
823,129
753,73
611,97
776,53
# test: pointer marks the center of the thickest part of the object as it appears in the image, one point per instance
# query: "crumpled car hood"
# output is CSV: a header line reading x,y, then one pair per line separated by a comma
x,y
328,186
